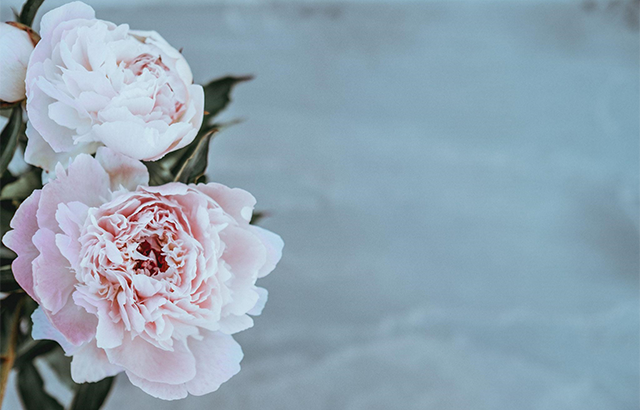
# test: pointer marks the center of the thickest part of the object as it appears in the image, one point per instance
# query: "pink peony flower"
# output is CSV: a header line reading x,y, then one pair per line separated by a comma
x,y
91,83
152,281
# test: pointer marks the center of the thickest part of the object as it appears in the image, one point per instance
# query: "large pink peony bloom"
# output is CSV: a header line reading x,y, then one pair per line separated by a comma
x,y
91,83
152,281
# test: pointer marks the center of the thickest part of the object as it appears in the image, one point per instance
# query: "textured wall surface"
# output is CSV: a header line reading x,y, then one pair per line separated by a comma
x,y
457,187
151,3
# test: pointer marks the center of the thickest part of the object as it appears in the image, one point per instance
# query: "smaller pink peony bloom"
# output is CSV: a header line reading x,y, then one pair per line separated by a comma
x,y
152,281
92,83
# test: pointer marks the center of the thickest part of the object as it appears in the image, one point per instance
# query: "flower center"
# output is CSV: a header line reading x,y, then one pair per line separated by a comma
x,y
152,260
169,92
151,63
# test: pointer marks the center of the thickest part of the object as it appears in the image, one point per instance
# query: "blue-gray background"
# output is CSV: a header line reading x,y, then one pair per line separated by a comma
x,y
457,187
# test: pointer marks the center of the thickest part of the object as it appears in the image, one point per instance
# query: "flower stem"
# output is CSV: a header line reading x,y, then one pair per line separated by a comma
x,y
9,356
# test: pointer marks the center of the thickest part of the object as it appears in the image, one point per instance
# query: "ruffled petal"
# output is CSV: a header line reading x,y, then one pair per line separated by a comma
x,y
90,364
218,359
164,391
274,245
53,280
151,363
124,172
85,181
19,240
42,329
69,11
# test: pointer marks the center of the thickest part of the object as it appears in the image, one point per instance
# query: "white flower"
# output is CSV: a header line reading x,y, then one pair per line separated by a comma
x,y
16,44
92,83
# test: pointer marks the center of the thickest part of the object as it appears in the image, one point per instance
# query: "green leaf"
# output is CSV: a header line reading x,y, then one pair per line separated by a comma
x,y
191,166
29,10
7,210
34,349
61,365
31,389
159,173
23,186
9,138
257,217
91,396
216,94
7,281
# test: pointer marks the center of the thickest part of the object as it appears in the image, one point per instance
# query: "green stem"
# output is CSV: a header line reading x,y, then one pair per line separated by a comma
x,y
7,359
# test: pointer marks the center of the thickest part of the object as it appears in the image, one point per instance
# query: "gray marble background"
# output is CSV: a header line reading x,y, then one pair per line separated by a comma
x,y
457,187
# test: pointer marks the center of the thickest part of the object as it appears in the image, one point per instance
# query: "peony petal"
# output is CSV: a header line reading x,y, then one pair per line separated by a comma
x,y
71,217
108,334
256,310
132,139
123,171
172,188
232,200
43,330
245,254
40,153
274,245
232,324
218,359
40,95
162,391
153,364
69,11
19,240
53,279
85,181
67,116
90,364
74,323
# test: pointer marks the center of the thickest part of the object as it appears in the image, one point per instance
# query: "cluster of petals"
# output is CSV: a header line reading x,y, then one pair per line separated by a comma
x,y
92,83
150,281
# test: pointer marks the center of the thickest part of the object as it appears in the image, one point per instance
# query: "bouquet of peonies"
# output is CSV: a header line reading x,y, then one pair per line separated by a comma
x,y
117,254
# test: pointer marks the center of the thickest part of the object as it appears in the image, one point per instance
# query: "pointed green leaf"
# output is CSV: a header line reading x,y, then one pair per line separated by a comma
x,y
31,389
23,187
216,94
91,396
191,166
7,210
7,281
34,349
159,173
61,366
29,10
9,138
257,217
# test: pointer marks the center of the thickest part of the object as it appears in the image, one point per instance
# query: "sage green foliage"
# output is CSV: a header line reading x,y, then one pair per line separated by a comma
x,y
22,187
217,95
9,137
31,388
7,282
90,396
29,10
